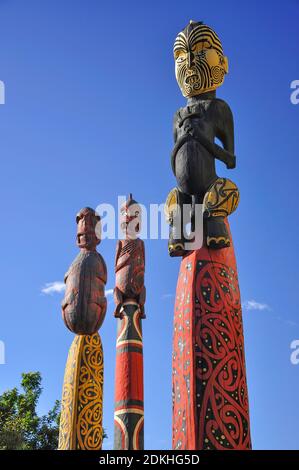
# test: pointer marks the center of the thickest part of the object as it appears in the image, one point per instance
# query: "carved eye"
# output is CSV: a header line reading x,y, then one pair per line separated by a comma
x,y
180,55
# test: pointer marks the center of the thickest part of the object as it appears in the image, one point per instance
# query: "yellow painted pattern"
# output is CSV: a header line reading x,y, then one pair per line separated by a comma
x,y
200,64
171,205
82,397
222,198
129,410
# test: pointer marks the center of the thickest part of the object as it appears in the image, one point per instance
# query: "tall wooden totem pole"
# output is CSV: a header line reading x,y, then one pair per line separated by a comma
x,y
210,401
129,297
83,311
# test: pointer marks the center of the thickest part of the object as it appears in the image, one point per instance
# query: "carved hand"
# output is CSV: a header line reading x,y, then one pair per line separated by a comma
x,y
231,164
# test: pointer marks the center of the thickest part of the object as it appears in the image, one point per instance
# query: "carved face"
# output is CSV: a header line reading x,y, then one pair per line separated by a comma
x,y
200,65
88,229
130,218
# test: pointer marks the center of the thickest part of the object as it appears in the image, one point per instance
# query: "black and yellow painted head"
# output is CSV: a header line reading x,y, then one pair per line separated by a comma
x,y
200,64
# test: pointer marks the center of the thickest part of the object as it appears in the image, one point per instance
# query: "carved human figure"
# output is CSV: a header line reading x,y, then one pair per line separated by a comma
x,y
130,260
200,67
84,304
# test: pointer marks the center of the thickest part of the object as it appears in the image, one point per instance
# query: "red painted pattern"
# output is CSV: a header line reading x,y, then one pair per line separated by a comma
x,y
128,411
129,383
210,401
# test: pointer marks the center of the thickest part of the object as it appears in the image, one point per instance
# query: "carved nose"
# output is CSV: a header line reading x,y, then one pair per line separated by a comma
x,y
190,59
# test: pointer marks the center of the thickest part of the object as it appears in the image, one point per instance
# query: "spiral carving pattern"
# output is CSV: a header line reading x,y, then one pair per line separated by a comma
x,y
210,400
82,397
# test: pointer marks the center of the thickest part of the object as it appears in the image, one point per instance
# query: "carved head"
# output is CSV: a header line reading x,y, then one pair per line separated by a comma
x,y
130,218
200,64
88,229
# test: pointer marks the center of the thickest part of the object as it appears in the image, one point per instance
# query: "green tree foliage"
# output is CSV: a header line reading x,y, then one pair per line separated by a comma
x,y
20,426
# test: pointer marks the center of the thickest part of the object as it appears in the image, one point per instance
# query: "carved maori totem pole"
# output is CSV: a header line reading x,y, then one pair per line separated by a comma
x,y
83,311
129,297
210,401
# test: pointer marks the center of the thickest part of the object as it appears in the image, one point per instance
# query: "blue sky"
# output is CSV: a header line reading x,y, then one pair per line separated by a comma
x,y
90,97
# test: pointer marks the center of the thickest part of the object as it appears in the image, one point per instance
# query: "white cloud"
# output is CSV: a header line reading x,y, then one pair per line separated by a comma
x,y
58,287
53,287
254,305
